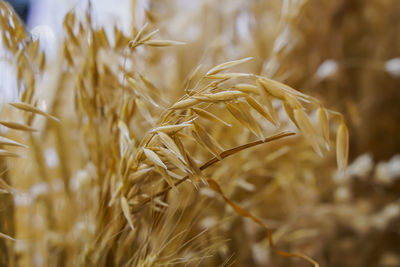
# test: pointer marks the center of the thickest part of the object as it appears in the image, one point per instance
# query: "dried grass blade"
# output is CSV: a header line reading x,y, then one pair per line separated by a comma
x,y
153,157
227,65
17,126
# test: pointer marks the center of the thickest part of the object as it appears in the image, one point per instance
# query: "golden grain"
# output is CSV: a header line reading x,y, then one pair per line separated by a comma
x,y
227,65
153,157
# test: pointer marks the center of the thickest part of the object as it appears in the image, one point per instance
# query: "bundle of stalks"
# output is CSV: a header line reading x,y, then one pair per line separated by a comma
x,y
130,149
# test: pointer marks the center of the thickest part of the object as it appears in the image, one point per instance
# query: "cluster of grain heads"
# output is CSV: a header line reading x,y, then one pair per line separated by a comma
x,y
128,159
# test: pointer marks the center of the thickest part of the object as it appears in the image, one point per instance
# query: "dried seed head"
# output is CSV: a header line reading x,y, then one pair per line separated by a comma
x,y
170,144
153,157
220,96
171,128
247,88
186,103
227,65
259,108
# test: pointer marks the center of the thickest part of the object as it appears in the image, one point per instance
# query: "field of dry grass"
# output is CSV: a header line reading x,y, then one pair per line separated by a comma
x,y
218,133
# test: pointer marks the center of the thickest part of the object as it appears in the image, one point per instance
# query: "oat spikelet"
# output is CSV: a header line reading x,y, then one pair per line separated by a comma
x,y
153,157
171,128
170,144
186,103
227,65
272,89
247,88
259,108
220,96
